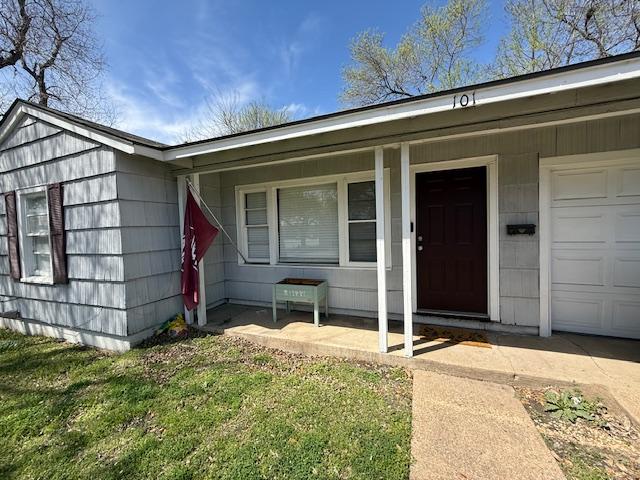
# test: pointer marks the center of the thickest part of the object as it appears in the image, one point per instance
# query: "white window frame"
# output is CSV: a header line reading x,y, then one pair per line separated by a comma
x,y
243,237
342,181
26,256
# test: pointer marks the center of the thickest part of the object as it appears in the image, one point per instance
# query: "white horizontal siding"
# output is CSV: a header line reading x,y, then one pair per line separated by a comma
x,y
108,268
147,193
214,275
79,292
153,314
133,186
95,297
99,242
28,130
152,289
91,190
81,165
145,264
84,317
150,239
148,214
92,216
48,148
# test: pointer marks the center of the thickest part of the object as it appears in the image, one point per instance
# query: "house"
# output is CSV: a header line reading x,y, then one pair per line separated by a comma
x,y
512,205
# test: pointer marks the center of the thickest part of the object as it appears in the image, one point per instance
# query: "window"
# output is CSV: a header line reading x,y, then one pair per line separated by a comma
x,y
308,224
329,220
362,221
257,226
35,237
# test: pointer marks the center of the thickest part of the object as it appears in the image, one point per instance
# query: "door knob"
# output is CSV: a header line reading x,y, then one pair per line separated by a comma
x,y
419,248
419,238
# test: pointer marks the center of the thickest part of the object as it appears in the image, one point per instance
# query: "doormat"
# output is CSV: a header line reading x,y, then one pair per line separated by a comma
x,y
453,335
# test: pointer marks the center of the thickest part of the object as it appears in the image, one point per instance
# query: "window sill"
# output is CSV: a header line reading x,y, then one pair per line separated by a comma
x,y
37,280
330,266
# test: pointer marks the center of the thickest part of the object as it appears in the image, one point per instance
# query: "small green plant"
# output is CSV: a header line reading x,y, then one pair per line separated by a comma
x,y
569,405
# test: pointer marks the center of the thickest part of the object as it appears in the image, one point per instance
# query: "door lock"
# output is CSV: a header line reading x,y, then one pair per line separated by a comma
x,y
419,248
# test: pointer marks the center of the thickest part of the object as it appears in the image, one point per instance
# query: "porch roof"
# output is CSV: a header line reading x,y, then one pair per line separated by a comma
x,y
586,74
596,72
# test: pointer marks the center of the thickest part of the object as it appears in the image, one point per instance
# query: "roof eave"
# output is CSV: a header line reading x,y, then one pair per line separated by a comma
x,y
20,108
484,94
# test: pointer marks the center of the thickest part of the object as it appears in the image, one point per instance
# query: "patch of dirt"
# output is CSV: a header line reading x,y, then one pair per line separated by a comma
x,y
606,447
164,355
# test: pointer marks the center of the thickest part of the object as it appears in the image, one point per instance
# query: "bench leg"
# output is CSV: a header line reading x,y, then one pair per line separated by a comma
x,y
274,306
326,306
316,313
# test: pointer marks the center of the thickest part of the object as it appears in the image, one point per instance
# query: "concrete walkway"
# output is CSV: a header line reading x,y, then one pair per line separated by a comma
x,y
468,429
606,367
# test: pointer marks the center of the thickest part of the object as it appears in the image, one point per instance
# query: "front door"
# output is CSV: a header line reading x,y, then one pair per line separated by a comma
x,y
451,240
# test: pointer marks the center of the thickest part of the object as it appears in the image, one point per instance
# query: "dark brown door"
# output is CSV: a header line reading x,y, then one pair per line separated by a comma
x,y
451,240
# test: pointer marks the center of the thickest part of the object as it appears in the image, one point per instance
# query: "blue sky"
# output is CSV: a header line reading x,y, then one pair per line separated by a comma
x,y
165,58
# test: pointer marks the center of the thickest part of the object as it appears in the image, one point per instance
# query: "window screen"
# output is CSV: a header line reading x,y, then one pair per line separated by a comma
x,y
362,221
308,223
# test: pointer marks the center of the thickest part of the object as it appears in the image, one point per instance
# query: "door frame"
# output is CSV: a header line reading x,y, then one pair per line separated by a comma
x,y
548,165
493,229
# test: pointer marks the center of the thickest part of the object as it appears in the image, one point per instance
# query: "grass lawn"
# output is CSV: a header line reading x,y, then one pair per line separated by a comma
x,y
207,407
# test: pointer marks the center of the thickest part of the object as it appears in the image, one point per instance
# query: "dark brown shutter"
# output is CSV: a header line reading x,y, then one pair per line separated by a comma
x,y
12,235
56,226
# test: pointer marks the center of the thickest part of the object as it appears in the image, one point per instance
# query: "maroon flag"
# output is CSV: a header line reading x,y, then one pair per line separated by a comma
x,y
197,235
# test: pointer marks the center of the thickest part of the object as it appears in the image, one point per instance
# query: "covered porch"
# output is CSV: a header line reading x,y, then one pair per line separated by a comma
x,y
248,257
261,183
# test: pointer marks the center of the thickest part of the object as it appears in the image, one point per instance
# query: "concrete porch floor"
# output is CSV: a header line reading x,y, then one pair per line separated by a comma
x,y
601,366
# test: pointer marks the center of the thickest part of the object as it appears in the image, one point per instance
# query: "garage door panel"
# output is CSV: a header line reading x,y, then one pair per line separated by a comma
x,y
629,182
627,226
626,272
625,317
577,225
569,268
576,312
595,250
579,184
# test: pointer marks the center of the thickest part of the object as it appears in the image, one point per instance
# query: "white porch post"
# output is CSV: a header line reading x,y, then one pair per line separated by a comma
x,y
406,250
202,301
182,201
383,327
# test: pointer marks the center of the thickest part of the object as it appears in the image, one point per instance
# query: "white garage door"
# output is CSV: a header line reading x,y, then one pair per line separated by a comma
x,y
595,249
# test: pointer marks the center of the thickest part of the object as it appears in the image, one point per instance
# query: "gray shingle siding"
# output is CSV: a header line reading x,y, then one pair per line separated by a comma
x,y
148,205
36,153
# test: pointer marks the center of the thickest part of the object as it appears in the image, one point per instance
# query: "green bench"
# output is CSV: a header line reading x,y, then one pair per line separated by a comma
x,y
301,290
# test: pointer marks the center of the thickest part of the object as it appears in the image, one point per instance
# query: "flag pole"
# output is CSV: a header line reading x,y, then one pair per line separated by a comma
x,y
193,189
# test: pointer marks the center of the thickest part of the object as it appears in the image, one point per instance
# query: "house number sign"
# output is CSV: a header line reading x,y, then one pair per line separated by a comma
x,y
464,100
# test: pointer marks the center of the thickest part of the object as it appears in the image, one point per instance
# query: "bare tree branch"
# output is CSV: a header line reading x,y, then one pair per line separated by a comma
x,y
60,60
226,115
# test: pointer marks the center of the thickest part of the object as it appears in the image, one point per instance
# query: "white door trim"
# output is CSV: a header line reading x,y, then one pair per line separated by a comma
x,y
547,165
493,229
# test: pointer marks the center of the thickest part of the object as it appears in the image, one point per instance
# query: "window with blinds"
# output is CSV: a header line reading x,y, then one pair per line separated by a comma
x,y
255,214
37,246
308,224
362,221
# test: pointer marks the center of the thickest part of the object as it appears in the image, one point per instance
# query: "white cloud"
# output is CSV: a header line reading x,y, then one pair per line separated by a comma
x,y
171,93
148,118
